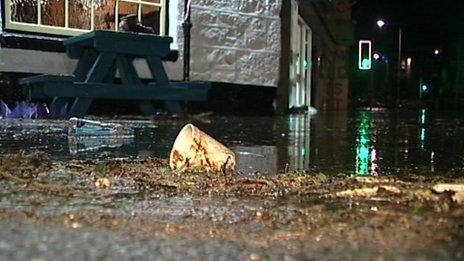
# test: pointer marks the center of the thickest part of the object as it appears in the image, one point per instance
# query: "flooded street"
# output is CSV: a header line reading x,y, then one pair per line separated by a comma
x,y
362,142
345,185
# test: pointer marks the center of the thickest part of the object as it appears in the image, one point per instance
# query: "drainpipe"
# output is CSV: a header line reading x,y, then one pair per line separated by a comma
x,y
186,25
283,91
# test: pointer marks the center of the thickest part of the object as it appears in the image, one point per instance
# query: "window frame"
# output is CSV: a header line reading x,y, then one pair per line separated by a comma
x,y
69,31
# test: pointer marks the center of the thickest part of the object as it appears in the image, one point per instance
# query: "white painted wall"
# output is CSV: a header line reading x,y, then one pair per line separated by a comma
x,y
236,41
32,61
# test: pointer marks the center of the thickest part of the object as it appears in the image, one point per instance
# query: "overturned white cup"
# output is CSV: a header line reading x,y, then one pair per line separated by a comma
x,y
194,148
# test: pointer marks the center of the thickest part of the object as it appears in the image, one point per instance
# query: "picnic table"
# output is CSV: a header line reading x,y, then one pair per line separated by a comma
x,y
101,54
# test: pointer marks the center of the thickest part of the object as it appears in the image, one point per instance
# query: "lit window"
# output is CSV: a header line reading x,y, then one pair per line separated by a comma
x,y
72,17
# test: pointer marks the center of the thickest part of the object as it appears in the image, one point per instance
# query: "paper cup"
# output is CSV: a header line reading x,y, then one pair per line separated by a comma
x,y
194,148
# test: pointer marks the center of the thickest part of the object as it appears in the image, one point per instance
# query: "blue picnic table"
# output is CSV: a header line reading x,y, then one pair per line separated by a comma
x,y
100,55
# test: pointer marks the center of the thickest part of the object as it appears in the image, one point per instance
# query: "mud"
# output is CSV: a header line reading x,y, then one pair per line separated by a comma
x,y
55,209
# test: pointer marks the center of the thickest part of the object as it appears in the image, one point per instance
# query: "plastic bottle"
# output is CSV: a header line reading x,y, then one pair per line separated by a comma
x,y
89,128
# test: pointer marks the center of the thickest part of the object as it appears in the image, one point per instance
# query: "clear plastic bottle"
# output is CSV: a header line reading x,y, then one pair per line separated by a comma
x,y
89,128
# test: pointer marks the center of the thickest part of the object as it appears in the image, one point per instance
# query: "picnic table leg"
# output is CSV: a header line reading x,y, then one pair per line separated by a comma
x,y
158,72
97,74
111,74
129,74
84,64
58,104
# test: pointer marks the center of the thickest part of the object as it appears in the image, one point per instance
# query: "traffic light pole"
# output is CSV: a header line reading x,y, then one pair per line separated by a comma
x,y
398,68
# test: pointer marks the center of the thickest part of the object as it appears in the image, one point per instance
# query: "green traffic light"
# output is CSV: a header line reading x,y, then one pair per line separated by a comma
x,y
366,64
365,54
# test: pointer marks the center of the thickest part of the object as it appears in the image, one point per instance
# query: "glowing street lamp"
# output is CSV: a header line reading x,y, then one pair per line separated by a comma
x,y
408,66
436,52
376,56
380,23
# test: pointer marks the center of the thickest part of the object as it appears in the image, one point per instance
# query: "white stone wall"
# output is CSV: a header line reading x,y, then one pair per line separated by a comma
x,y
236,41
32,61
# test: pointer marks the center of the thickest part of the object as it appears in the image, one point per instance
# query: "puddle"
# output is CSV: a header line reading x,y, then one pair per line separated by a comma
x,y
359,142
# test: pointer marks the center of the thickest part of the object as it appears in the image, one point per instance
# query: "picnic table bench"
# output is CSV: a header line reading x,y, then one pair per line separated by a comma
x,y
101,54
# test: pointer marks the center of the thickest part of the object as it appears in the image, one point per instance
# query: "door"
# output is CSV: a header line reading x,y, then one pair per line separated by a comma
x,y
300,62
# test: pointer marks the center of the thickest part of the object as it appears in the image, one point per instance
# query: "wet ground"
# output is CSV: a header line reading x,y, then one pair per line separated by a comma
x,y
357,185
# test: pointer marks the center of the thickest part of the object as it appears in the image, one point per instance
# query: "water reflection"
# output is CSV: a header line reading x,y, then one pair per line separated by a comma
x,y
423,133
87,144
286,148
299,141
422,130
361,143
257,159
366,155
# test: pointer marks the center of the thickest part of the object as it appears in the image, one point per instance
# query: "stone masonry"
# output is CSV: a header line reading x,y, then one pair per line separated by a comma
x,y
236,41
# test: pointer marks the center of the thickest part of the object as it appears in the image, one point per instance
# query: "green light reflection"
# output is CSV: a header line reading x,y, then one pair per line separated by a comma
x,y
363,145
422,135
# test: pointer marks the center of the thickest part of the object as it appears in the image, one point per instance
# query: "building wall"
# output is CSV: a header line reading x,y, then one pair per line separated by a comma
x,y
236,41
331,44
241,42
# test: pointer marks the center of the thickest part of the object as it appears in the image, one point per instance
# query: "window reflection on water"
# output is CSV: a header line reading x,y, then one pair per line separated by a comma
x,y
299,141
290,150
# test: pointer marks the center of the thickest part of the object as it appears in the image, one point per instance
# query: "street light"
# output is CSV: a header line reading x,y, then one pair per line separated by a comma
x,y
381,23
436,52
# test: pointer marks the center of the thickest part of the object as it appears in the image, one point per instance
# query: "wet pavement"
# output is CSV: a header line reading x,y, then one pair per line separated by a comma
x,y
361,142
52,207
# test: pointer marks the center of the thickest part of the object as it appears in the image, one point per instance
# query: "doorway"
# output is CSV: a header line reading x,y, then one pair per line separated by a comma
x,y
300,62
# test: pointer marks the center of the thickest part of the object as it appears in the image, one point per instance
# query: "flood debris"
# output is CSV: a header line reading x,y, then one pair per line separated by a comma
x,y
146,199
103,183
456,189
440,188
90,128
368,191
195,149
153,175
458,197
425,194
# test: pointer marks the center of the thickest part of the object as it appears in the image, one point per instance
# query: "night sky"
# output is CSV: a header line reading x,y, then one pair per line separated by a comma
x,y
426,24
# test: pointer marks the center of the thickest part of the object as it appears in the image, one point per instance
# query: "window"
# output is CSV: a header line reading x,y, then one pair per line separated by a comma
x,y
72,17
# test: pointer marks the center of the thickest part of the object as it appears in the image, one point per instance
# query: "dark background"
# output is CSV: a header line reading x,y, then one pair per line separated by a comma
x,y
427,25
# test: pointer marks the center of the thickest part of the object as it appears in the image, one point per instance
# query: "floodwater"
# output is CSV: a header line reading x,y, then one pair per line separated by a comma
x,y
122,222
364,142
